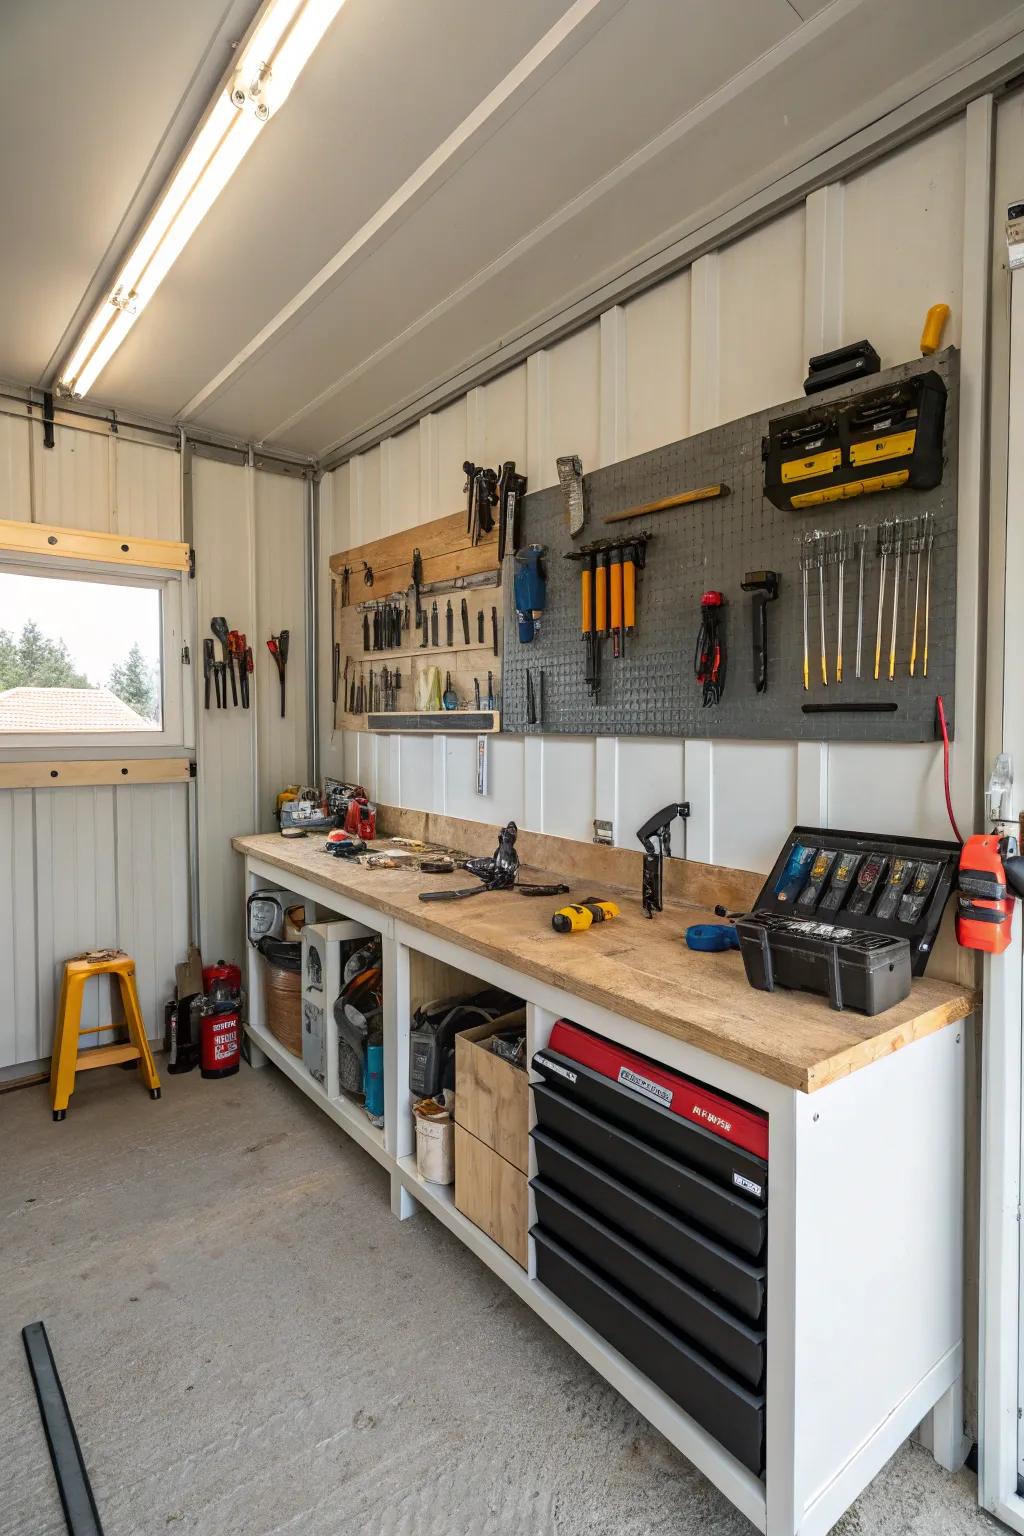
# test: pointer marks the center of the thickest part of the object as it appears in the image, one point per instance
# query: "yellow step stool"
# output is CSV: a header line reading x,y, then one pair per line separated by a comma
x,y
67,1058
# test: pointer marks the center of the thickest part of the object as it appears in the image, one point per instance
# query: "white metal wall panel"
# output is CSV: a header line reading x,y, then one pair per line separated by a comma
x,y
151,824
658,366
416,770
71,480
146,491
760,318
562,800
19,1029
903,244
505,420
224,585
404,479
15,473
446,478
909,799
369,519
648,774
754,799
574,406
333,537
280,553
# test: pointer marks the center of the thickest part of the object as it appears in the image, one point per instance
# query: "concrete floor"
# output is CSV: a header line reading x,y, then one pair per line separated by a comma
x,y
251,1343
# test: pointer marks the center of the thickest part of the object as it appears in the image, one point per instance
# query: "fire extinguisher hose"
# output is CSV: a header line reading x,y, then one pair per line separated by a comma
x,y
940,711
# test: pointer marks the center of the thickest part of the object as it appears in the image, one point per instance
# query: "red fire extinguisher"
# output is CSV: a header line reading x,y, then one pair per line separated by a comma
x,y
220,1041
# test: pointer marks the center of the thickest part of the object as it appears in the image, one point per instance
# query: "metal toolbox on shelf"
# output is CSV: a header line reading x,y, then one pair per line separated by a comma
x,y
739,1283
736,1346
732,1218
726,1409
657,1124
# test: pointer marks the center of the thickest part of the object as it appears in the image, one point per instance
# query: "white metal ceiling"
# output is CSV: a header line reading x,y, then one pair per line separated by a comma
x,y
444,175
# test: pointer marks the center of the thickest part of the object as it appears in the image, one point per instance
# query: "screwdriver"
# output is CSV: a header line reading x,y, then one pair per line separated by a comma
x,y
860,540
916,546
806,557
929,541
820,562
615,583
884,545
577,918
898,552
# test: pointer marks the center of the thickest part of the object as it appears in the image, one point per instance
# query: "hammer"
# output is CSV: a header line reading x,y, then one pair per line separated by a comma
x,y
765,587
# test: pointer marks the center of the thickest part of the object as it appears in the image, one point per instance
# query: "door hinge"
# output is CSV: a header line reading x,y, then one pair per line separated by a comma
x,y
191,564
186,656
192,770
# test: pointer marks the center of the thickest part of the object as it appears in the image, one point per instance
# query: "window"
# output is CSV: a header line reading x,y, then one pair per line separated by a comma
x,y
84,657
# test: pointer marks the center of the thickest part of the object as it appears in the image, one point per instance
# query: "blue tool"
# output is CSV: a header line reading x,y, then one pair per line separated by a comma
x,y
712,937
530,591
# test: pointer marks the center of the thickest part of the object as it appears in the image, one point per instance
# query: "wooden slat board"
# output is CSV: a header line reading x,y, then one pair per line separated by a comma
x,y
87,544
73,775
446,553
641,969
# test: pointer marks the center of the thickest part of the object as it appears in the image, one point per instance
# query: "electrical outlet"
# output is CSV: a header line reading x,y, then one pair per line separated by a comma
x,y
602,832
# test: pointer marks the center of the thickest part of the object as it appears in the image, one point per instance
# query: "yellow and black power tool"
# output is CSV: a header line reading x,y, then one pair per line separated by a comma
x,y
574,919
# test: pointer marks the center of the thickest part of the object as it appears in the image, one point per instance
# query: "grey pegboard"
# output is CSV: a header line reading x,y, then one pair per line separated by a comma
x,y
651,690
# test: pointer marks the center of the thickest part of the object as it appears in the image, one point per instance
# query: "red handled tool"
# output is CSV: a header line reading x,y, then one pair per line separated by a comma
x,y
709,652
277,645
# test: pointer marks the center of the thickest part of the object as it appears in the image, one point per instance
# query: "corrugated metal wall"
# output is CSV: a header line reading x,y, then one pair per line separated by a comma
x,y
731,335
80,868
249,534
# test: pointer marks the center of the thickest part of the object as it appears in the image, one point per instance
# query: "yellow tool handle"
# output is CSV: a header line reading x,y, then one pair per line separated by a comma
x,y
586,600
629,590
839,667
601,597
616,584
934,325
684,498
571,919
807,675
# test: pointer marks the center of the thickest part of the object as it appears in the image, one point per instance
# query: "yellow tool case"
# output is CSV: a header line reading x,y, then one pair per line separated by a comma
x,y
878,440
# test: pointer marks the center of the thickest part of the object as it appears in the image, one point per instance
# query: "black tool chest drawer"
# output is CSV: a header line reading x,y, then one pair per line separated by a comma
x,y
738,1282
722,1161
727,1410
734,1219
701,1320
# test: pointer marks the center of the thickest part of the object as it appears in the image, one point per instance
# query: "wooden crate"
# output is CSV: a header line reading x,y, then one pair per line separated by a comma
x,y
492,1097
492,1193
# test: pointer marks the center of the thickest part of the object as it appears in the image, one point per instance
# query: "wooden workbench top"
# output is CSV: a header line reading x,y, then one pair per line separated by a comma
x,y
639,968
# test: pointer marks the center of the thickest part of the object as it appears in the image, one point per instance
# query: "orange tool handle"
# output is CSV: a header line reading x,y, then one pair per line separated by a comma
x,y
601,597
616,586
629,591
586,599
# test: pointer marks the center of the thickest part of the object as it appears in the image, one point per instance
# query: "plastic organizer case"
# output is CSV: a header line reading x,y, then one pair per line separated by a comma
x,y
850,915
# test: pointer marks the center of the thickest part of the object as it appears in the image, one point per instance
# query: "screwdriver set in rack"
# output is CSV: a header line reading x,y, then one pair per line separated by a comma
x,y
850,915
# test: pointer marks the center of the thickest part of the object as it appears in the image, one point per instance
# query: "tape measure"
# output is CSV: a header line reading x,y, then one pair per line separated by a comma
x,y
712,937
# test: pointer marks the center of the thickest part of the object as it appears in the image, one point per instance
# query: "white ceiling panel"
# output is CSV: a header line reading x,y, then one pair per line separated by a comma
x,y
307,307
399,324
391,79
88,97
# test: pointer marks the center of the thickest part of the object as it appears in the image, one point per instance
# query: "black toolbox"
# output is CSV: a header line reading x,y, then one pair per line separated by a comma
x,y
737,1346
723,1406
721,1161
738,1282
851,915
735,1220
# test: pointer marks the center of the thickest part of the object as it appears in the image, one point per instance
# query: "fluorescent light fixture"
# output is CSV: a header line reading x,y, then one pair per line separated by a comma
x,y
285,36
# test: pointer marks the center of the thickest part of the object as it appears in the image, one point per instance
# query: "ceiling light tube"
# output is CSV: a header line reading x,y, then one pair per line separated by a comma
x,y
284,39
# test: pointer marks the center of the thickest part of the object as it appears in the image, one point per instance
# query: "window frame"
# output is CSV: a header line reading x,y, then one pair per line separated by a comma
x,y
173,735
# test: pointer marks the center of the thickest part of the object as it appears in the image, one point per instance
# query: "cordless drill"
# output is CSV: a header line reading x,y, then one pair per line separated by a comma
x,y
575,919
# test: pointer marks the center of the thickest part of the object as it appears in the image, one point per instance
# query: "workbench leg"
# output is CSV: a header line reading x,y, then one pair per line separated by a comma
x,y
402,1203
942,1431
257,1057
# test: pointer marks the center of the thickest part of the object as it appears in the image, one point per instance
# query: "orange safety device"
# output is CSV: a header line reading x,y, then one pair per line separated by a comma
x,y
984,905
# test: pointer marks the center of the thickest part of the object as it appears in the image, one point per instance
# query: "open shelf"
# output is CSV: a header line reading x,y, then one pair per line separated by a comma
x,y
342,1111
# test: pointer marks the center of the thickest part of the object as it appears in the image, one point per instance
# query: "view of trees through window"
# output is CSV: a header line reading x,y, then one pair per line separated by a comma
x,y
78,655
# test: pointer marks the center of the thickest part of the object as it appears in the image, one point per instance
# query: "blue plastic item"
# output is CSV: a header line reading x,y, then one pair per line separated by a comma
x,y
712,937
373,1082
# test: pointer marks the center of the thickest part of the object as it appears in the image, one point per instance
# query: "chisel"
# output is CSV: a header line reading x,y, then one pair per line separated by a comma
x,y
480,627
494,630
465,621
433,623
449,629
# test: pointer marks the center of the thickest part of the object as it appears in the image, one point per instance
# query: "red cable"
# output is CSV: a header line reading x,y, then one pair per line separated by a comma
x,y
945,764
